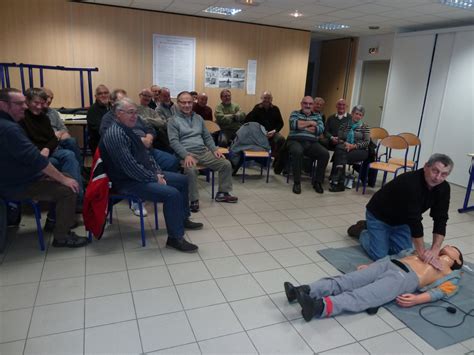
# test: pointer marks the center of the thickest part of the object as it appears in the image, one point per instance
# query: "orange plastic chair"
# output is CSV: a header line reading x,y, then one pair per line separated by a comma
x,y
413,141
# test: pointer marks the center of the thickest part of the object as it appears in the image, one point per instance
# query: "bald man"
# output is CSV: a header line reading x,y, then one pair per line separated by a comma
x,y
334,122
201,108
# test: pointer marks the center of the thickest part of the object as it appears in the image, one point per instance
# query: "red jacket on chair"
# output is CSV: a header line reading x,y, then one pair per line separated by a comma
x,y
96,198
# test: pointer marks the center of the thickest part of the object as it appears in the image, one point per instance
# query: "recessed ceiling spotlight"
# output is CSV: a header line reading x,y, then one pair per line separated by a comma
x,y
226,11
460,4
374,27
249,2
296,14
333,26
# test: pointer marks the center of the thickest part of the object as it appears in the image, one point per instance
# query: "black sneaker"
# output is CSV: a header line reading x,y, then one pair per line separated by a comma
x,y
188,224
194,206
310,307
296,188
356,229
181,244
318,187
291,291
49,225
71,241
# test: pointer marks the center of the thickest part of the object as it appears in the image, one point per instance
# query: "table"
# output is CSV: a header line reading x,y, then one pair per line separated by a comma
x,y
465,207
78,120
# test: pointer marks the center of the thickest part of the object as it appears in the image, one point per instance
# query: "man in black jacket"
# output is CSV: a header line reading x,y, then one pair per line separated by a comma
x,y
94,116
394,213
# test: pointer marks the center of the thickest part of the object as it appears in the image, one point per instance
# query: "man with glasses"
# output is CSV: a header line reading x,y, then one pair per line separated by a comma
x,y
303,140
133,170
193,143
28,174
94,116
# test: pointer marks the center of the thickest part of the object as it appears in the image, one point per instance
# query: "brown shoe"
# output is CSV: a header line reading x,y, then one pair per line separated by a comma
x,y
226,197
356,229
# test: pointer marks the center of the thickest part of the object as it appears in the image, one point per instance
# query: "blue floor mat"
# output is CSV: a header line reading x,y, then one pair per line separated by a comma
x,y
347,259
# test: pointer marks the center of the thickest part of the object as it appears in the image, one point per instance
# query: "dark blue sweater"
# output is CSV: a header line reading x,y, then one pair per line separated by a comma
x,y
20,161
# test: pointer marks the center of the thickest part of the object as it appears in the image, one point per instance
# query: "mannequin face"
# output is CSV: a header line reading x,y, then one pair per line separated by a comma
x,y
450,254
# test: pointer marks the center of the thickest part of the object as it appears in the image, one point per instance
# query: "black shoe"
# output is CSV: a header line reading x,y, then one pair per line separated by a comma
x,y
292,291
49,225
194,206
356,229
372,310
318,187
310,307
71,241
181,244
188,224
297,188
337,188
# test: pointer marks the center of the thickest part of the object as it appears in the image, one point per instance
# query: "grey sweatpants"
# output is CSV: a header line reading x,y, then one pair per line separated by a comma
x,y
356,291
208,159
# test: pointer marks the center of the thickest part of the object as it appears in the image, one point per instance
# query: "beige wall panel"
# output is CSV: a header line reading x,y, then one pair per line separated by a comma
x,y
119,42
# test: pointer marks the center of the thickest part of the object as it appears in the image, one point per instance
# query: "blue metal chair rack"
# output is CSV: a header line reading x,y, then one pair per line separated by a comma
x,y
5,76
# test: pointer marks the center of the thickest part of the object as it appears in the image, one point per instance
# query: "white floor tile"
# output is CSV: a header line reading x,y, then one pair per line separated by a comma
x,y
222,221
239,287
362,326
61,290
425,348
14,324
17,296
274,242
57,318
12,348
64,268
156,301
278,338
224,267
390,319
105,263
107,284
351,349
65,343
149,277
260,230
290,257
173,256
213,321
234,232
200,294
189,272
18,273
205,235
244,246
248,218
286,227
259,262
272,280
188,349
113,339
109,309
214,250
323,334
144,258
290,310
165,331
391,343
257,312
299,239
326,235
305,274
310,224
230,344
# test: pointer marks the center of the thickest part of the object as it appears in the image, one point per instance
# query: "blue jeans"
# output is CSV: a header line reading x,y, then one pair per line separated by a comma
x,y
174,196
166,161
381,239
71,144
65,161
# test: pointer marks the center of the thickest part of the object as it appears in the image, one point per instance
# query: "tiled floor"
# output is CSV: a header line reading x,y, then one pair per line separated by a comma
x,y
116,297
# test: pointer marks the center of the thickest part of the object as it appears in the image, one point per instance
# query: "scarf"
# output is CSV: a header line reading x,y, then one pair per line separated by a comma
x,y
350,134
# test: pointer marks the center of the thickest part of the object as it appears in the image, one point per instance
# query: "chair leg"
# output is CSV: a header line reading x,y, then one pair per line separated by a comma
x,y
37,212
269,161
89,236
142,222
243,169
212,182
156,215
384,178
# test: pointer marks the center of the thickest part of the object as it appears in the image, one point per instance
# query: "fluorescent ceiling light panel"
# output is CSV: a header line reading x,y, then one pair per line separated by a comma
x,y
460,4
226,11
333,26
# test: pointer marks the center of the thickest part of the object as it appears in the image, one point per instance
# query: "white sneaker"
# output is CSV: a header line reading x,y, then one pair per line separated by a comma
x,y
136,210
349,182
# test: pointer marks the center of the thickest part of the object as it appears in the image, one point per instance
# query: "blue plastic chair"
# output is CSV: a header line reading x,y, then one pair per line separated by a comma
x,y
259,157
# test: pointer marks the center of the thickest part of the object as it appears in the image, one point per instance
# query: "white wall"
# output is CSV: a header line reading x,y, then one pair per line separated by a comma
x,y
447,124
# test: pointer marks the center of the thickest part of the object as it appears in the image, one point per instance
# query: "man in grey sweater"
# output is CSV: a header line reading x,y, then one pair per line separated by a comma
x,y
193,143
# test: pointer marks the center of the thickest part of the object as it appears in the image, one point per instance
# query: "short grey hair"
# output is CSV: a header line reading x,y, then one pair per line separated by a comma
x,y
359,108
440,158
118,105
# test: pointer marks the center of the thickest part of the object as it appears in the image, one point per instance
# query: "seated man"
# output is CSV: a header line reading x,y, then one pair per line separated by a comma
x,y
192,142
269,116
165,107
201,108
305,128
229,117
60,129
28,174
318,107
94,116
132,170
379,283
38,128
394,214
331,127
155,89
147,113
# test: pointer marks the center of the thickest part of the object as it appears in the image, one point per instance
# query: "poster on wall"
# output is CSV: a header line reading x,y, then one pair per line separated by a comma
x,y
224,77
252,76
174,59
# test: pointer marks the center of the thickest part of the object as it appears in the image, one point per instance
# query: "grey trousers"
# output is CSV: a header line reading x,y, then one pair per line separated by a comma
x,y
208,159
356,291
